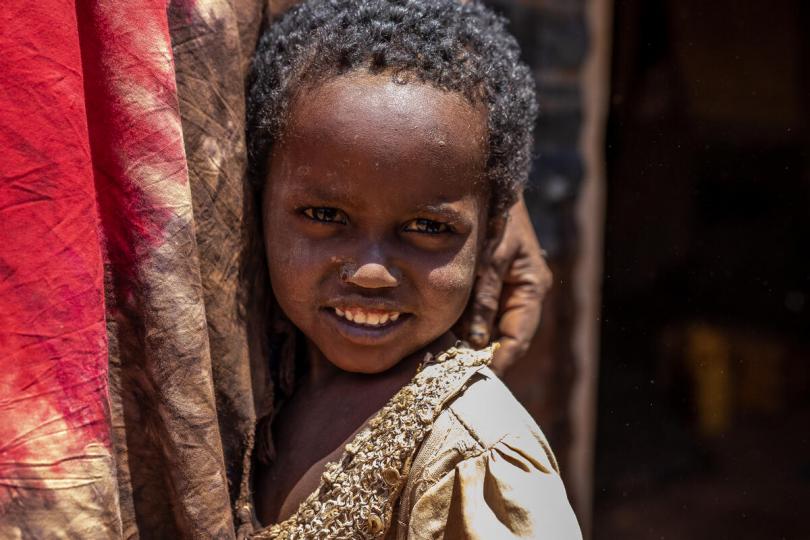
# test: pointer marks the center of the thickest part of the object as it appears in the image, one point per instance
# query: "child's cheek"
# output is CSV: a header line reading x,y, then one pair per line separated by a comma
x,y
293,271
454,281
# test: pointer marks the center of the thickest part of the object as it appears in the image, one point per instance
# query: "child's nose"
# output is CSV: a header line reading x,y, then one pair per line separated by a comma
x,y
370,275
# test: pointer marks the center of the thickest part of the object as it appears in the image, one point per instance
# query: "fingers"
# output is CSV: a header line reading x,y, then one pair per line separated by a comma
x,y
519,318
509,349
525,284
507,297
485,304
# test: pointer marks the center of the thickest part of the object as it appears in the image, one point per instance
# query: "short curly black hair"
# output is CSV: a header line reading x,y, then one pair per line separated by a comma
x,y
454,46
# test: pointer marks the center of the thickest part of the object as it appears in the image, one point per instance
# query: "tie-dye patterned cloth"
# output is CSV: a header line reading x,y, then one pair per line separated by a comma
x,y
126,398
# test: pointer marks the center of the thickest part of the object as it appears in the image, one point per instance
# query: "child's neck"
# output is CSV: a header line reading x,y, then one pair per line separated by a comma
x,y
321,372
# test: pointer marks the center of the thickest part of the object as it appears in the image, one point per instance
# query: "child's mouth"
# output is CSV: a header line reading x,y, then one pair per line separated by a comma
x,y
367,318
367,326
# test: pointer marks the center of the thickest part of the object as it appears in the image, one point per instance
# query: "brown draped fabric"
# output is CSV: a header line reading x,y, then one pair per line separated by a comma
x,y
212,43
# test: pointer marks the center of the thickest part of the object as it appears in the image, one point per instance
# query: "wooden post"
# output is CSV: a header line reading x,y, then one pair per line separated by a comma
x,y
588,271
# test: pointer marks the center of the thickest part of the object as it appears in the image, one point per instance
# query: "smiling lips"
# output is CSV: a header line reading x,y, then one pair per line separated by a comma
x,y
365,317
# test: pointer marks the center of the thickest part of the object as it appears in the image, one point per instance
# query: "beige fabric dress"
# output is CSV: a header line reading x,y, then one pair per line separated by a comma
x,y
485,472
469,463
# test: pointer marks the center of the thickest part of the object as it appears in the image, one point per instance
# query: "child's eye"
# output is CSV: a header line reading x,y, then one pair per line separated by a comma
x,y
325,214
427,226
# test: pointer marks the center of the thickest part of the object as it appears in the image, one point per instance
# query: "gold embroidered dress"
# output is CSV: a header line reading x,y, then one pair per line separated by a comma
x,y
452,455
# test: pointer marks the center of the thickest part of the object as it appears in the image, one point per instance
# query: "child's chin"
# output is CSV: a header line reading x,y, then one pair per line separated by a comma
x,y
366,359
369,366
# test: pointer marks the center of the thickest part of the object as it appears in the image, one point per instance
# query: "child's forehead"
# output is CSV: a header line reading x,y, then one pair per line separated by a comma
x,y
375,107
364,137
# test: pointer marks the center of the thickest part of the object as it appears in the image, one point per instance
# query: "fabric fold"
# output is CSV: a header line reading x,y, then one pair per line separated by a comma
x,y
57,471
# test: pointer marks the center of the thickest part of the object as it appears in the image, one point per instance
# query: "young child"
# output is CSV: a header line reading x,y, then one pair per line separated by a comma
x,y
390,138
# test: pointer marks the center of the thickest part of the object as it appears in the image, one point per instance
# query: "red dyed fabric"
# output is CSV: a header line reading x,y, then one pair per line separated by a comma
x,y
55,431
126,399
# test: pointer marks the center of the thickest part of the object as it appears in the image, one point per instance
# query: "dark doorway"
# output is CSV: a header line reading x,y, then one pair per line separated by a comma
x,y
704,413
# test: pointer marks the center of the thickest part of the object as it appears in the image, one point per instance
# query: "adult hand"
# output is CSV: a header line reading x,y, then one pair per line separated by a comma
x,y
509,292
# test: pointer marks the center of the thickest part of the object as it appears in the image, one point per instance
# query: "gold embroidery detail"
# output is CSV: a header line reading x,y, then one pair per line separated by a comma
x,y
390,476
375,524
356,497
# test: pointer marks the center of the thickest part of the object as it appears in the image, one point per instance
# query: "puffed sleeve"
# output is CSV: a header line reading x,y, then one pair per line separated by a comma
x,y
511,490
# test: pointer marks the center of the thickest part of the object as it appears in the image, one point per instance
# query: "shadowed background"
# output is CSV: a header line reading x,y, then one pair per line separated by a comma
x,y
672,164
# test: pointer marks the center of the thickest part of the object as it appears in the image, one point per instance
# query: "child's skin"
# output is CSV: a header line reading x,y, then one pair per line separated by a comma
x,y
376,204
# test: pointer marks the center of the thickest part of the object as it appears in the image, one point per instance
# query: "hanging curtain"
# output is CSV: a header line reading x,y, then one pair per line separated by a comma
x,y
128,391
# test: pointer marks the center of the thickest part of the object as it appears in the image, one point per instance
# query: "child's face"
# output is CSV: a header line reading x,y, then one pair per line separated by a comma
x,y
375,210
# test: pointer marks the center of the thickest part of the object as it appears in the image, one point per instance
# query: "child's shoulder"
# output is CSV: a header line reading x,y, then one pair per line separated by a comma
x,y
480,413
484,409
485,469
490,414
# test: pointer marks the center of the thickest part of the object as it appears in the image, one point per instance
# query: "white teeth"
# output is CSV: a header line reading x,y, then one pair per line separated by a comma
x,y
368,319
